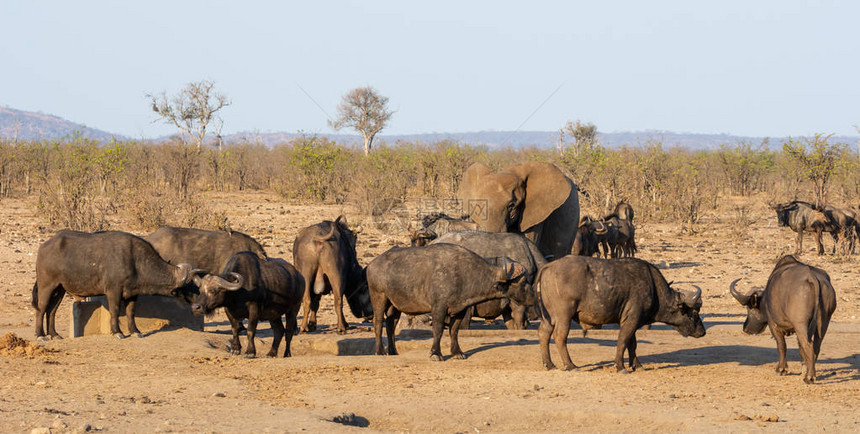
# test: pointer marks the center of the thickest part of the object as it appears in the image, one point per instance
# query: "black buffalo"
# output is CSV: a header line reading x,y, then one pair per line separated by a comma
x,y
325,255
256,289
593,292
205,250
498,244
118,265
437,224
439,279
799,299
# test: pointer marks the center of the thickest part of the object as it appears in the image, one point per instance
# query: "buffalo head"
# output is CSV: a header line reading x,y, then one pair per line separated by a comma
x,y
213,291
756,319
684,313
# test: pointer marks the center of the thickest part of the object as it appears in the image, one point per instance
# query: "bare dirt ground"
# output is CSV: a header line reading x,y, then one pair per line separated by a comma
x,y
181,380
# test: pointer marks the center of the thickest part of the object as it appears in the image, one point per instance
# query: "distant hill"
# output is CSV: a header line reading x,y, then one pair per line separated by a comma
x,y
39,126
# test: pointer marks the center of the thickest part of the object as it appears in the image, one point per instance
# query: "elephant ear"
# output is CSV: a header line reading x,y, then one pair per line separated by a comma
x,y
546,190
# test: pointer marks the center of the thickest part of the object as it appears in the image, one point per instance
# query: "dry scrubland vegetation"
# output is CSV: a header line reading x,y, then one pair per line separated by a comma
x,y
702,214
86,186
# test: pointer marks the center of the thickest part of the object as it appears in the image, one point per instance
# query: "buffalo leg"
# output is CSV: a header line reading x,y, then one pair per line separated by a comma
x,y
51,313
438,327
113,301
380,305
631,352
277,335
453,332
626,333
291,329
309,313
467,318
562,330
235,345
545,332
391,320
253,319
804,342
129,316
782,365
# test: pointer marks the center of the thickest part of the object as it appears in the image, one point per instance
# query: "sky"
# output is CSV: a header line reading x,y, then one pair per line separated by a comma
x,y
750,68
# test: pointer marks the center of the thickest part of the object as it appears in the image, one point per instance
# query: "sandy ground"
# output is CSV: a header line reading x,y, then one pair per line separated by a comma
x,y
181,380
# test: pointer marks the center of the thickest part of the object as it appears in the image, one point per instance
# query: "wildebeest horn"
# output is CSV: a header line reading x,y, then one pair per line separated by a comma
x,y
231,286
691,298
328,236
742,299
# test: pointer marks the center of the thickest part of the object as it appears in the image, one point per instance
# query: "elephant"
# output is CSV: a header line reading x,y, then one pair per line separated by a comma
x,y
534,199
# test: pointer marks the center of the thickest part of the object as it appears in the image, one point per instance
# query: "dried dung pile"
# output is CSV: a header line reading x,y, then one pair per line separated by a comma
x,y
12,345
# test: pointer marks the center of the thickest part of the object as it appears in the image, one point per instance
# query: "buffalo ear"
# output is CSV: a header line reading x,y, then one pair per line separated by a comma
x,y
755,300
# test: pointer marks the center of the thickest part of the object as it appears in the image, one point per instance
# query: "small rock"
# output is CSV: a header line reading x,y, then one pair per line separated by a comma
x,y
85,428
219,395
771,418
673,396
743,417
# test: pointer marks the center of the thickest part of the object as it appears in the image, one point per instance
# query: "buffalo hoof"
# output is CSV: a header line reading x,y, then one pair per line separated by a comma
x,y
235,352
43,338
138,335
56,337
250,356
782,371
569,368
459,356
549,366
341,332
809,380
272,355
624,371
119,335
436,357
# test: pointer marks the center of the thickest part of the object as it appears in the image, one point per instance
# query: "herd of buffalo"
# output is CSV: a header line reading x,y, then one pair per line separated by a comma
x,y
520,251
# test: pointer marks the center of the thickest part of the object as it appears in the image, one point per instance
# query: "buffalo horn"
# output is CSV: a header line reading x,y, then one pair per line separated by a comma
x,y
231,286
691,298
742,299
602,229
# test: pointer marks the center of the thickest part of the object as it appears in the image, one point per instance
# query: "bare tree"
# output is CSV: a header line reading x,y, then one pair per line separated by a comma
x,y
364,110
192,110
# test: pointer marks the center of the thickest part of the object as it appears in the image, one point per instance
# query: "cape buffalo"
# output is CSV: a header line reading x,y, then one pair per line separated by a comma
x,y
206,250
254,288
118,265
593,292
437,224
498,244
440,279
325,255
798,299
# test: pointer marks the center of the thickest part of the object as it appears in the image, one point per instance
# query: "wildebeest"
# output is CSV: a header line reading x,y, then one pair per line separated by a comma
x,y
205,250
256,289
592,291
325,255
437,224
799,299
606,233
624,242
803,217
439,279
498,244
118,265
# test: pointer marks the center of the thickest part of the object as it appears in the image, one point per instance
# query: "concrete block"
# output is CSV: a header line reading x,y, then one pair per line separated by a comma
x,y
152,312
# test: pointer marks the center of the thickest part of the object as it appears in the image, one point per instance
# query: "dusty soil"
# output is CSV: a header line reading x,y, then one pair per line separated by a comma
x,y
181,380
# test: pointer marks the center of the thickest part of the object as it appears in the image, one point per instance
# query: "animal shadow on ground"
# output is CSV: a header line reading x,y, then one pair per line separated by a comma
x,y
570,341
753,356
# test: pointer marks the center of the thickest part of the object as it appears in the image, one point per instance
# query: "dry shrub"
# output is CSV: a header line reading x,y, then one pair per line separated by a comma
x,y
13,346
741,221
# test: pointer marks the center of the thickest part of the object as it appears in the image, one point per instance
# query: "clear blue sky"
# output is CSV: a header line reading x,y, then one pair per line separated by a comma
x,y
755,68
